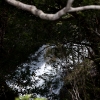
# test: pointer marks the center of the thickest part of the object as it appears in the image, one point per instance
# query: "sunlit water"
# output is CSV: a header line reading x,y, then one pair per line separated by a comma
x,y
37,76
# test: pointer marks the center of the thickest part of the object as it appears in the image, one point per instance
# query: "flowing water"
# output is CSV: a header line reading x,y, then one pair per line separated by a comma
x,y
41,79
37,77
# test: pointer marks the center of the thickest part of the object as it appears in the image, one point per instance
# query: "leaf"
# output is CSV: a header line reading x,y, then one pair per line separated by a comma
x,y
40,99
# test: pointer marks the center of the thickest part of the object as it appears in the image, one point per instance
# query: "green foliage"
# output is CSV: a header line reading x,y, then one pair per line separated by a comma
x,y
40,99
28,97
23,33
25,97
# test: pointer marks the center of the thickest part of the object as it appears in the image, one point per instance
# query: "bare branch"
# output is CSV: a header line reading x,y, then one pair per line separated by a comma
x,y
40,13
55,16
95,31
84,8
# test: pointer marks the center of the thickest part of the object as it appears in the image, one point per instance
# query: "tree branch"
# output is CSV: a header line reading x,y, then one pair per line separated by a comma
x,y
55,16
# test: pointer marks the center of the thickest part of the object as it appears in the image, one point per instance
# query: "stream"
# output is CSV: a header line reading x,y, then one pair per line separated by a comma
x,y
41,79
37,77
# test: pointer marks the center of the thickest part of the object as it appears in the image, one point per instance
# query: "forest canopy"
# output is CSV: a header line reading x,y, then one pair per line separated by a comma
x,y
75,25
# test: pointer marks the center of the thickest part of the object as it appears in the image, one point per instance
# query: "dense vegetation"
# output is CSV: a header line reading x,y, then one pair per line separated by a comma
x,y
22,33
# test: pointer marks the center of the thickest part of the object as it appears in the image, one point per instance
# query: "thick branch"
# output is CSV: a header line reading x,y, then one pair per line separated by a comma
x,y
46,16
40,13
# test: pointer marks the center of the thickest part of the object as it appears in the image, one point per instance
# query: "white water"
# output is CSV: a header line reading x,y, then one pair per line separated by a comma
x,y
39,74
